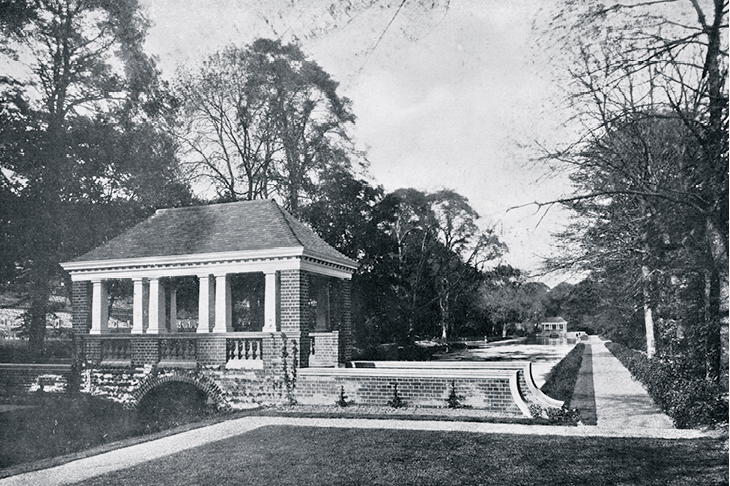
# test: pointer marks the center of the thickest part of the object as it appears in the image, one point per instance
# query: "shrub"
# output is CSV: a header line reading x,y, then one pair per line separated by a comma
x,y
16,351
342,400
556,416
454,399
396,401
674,383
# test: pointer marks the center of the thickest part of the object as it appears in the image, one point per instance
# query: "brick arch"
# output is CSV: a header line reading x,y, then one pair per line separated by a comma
x,y
202,383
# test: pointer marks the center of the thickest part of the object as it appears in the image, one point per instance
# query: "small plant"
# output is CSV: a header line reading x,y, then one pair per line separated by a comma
x,y
554,415
454,399
396,401
342,400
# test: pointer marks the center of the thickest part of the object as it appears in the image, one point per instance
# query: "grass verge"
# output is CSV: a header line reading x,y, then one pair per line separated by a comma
x,y
287,455
55,425
560,382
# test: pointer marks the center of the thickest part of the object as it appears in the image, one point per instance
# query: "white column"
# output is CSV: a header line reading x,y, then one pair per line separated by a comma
x,y
206,297
138,306
270,297
223,311
99,308
157,307
173,310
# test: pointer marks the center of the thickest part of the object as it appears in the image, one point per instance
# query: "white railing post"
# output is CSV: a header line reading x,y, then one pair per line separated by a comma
x,y
99,307
223,309
138,306
206,296
270,297
157,307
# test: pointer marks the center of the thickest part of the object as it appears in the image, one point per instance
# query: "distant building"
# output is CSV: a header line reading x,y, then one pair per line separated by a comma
x,y
554,327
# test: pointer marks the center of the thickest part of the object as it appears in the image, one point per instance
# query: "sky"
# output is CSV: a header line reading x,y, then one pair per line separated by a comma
x,y
445,98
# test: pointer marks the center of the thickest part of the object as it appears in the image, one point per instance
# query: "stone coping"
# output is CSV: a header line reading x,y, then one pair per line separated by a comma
x,y
441,364
36,366
409,372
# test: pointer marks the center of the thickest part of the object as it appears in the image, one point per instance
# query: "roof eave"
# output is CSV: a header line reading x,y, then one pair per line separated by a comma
x,y
282,252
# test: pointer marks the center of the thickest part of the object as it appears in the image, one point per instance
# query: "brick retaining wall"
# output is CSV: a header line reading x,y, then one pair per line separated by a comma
x,y
496,391
16,379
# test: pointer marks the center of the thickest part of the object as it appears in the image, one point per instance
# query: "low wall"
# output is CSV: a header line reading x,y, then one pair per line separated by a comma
x,y
16,379
495,390
526,380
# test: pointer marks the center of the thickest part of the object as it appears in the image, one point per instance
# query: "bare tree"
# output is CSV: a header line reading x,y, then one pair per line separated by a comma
x,y
656,60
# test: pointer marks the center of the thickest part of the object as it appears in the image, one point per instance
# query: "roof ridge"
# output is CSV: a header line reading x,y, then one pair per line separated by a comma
x,y
184,208
284,213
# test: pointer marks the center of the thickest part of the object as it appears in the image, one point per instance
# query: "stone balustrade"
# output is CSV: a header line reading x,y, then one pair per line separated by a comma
x,y
245,352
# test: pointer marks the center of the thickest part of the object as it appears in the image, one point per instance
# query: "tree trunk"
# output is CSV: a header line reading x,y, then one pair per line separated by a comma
x,y
648,314
716,303
444,305
646,289
35,316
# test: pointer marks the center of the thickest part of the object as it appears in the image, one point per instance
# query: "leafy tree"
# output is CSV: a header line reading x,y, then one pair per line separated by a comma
x,y
510,300
351,215
77,139
440,250
263,120
464,248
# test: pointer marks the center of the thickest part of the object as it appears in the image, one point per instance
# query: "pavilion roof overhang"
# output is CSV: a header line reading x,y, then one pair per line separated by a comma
x,y
268,260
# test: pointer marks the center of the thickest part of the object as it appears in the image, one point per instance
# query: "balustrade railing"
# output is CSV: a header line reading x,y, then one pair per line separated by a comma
x,y
116,350
178,349
244,349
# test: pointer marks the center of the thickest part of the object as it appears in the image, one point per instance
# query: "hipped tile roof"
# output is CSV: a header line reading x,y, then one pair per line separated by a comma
x,y
229,227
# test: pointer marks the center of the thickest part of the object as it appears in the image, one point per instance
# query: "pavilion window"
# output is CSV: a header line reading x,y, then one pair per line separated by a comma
x,y
320,315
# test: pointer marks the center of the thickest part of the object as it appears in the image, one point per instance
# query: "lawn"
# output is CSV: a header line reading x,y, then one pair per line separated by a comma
x,y
55,425
286,455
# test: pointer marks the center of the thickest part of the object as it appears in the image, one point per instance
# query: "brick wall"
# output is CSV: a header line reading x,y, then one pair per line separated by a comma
x,y
294,296
295,310
81,304
345,336
16,379
489,393
324,349
240,388
92,349
211,350
145,352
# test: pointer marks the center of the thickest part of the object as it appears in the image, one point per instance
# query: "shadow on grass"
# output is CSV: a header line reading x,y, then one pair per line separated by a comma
x,y
46,426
